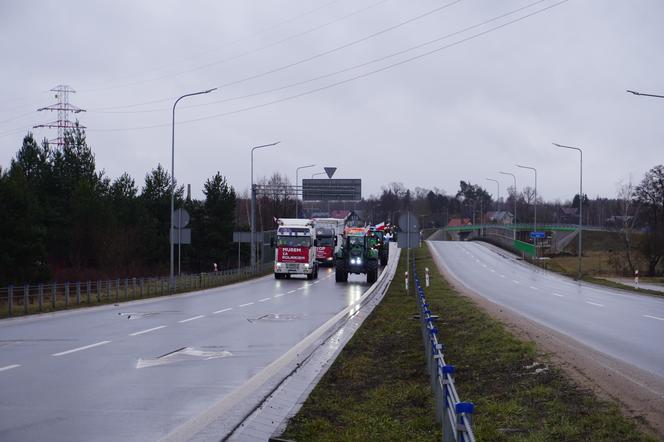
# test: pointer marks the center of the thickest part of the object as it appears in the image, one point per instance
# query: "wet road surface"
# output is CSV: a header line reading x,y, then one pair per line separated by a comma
x,y
629,327
138,370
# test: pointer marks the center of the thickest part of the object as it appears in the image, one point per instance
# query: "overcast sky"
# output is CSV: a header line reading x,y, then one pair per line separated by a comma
x,y
460,113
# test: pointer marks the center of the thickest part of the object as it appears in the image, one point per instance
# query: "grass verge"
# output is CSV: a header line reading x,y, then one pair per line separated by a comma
x,y
377,389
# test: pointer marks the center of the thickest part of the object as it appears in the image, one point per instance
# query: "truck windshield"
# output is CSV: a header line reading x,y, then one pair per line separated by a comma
x,y
293,241
325,241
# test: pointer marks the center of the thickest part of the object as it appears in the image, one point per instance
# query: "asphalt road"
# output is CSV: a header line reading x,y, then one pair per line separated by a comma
x,y
629,327
138,370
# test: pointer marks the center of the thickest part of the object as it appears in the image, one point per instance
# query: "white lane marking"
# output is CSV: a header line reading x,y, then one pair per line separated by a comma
x,y
534,288
191,319
484,265
9,367
244,305
653,317
316,282
147,331
515,281
222,310
558,294
264,299
492,271
477,260
292,291
502,276
96,344
279,295
594,303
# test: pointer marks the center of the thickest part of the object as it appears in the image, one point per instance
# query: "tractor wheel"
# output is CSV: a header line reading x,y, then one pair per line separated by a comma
x,y
372,271
340,271
384,257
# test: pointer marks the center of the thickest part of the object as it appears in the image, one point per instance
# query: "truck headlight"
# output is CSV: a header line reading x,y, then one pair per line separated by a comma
x,y
306,265
278,264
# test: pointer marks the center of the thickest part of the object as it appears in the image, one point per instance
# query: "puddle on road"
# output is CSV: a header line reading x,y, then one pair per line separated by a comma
x,y
185,354
276,317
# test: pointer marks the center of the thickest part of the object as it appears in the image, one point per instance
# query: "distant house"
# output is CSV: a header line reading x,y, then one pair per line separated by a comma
x,y
498,217
569,215
459,222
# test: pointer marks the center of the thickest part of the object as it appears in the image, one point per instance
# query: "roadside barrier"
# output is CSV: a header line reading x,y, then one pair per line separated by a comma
x,y
46,297
454,416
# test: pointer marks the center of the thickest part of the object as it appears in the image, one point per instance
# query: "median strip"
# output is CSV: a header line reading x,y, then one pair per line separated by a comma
x,y
74,350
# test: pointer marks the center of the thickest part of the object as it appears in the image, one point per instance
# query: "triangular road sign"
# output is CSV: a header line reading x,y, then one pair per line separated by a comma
x,y
330,171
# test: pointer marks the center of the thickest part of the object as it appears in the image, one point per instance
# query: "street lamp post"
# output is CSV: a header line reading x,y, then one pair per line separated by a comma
x,y
316,174
534,170
170,230
297,171
498,184
514,220
253,203
535,219
580,198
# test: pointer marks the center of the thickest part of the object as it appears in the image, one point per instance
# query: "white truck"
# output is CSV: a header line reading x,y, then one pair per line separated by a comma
x,y
295,248
335,224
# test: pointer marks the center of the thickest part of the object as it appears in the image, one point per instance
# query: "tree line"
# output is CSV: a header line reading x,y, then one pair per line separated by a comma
x,y
62,219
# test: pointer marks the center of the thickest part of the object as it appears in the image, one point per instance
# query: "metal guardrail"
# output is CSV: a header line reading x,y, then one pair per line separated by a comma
x,y
38,298
454,416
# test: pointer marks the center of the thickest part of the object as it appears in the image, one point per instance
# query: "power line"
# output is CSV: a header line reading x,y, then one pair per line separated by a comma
x,y
247,53
227,44
347,69
348,80
310,58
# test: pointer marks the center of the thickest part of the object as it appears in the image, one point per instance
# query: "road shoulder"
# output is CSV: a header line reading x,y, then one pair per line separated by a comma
x,y
639,394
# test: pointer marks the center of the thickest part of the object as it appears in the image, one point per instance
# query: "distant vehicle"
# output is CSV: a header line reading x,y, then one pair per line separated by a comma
x,y
327,241
356,255
329,232
295,249
379,242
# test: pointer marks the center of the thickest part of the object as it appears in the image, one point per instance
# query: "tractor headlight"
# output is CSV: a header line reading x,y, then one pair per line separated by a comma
x,y
306,265
278,264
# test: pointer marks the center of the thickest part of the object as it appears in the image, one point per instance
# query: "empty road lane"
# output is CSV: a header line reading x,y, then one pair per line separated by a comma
x,y
626,326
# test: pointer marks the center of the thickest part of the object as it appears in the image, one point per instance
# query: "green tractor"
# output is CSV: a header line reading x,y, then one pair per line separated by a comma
x,y
378,242
356,255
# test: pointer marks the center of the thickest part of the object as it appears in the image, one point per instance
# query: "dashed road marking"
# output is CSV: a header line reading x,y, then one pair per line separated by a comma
x,y
222,310
292,291
147,331
653,317
191,319
264,299
9,367
594,303
502,276
515,281
492,270
85,347
244,305
558,294
279,295
534,288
